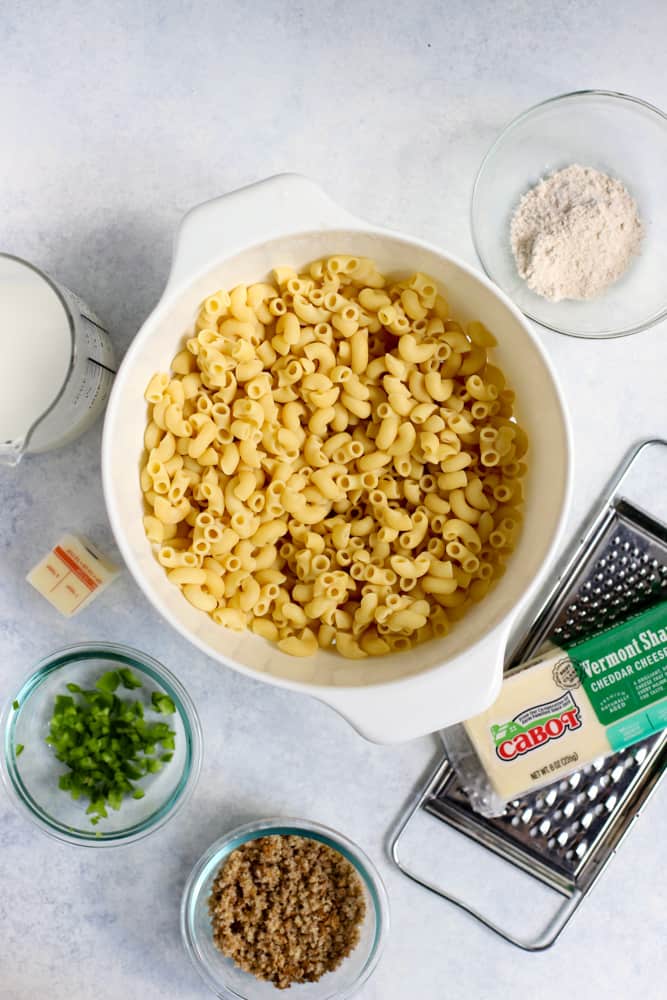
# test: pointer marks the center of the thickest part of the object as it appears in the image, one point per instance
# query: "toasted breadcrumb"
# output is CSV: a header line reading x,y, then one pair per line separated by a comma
x,y
287,909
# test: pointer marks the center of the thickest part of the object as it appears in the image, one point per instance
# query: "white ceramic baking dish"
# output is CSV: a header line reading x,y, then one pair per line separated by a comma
x,y
238,238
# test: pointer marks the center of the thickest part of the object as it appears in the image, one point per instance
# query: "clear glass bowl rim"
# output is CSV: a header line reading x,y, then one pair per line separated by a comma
x,y
132,657
222,848
488,156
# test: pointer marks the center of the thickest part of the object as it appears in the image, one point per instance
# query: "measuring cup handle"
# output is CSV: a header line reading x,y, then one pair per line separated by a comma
x,y
220,228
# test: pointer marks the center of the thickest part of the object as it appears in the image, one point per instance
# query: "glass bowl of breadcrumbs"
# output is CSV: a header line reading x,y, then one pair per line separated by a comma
x,y
284,907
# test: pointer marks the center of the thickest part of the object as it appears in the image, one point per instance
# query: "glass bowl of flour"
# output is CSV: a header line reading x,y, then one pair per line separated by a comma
x,y
569,214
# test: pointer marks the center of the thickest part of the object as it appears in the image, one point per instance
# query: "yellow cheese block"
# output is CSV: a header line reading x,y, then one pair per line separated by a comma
x,y
541,725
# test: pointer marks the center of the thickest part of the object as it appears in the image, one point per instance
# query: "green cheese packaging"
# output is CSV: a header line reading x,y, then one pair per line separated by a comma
x,y
563,710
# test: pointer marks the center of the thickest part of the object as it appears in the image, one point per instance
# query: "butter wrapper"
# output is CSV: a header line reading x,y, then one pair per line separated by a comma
x,y
72,574
563,710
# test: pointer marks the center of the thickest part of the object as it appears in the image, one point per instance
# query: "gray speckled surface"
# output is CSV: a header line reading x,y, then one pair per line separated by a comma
x,y
115,119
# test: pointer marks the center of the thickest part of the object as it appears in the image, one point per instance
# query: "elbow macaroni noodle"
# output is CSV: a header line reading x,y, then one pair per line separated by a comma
x,y
333,462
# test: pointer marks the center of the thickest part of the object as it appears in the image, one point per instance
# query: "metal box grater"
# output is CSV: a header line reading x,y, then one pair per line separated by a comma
x,y
564,834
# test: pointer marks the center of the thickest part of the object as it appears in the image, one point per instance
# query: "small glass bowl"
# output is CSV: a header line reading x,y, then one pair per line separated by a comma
x,y
224,977
619,135
32,776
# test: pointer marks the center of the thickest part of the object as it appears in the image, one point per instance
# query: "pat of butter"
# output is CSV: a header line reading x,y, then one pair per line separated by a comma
x,y
562,711
72,574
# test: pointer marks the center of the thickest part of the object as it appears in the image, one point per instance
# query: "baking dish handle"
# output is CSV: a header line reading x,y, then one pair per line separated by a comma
x,y
282,204
423,703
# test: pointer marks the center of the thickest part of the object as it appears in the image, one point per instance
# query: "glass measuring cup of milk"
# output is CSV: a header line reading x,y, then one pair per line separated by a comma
x,y
56,362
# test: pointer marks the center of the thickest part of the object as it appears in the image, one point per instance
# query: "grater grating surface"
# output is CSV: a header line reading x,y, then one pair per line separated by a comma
x,y
628,570
562,823
565,834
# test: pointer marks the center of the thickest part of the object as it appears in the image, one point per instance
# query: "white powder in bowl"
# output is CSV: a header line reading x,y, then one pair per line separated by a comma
x,y
575,233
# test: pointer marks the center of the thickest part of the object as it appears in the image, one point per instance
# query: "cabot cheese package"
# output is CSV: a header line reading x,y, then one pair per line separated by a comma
x,y
563,710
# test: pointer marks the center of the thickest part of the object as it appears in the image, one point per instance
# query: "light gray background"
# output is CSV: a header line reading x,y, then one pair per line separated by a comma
x,y
116,118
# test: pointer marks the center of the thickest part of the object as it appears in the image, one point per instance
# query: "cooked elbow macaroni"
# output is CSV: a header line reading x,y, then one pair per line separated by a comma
x,y
333,463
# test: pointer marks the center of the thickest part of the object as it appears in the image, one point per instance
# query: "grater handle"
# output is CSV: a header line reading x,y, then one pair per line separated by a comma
x,y
535,942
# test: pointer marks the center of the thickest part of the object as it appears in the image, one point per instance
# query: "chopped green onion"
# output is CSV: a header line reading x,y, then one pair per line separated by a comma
x,y
20,748
162,703
106,743
108,682
115,797
15,706
128,679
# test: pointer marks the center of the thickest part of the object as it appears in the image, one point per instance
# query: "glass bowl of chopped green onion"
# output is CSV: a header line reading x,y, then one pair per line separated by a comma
x,y
223,975
101,746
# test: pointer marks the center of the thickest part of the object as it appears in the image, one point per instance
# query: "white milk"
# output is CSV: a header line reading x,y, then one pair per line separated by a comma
x,y
56,362
35,348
